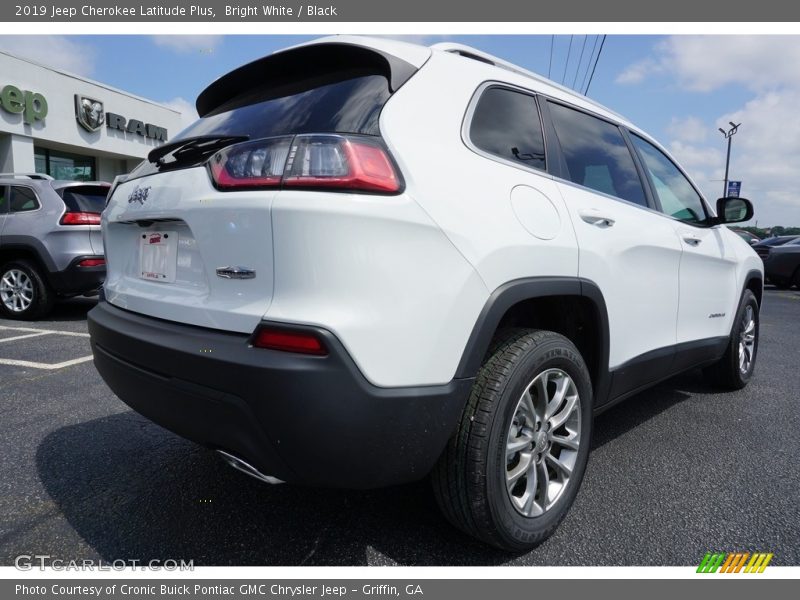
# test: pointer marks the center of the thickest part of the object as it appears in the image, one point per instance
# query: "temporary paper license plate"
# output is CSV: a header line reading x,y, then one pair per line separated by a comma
x,y
158,256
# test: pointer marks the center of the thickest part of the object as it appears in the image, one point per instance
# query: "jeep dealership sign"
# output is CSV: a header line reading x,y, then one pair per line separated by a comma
x,y
32,105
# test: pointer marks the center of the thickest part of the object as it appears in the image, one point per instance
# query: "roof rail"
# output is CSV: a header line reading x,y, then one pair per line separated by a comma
x,y
26,176
485,57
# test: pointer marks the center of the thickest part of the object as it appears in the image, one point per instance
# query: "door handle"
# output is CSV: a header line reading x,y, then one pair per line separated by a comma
x,y
594,217
692,240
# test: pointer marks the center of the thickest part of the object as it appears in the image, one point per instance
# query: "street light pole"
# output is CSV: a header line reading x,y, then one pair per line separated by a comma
x,y
728,135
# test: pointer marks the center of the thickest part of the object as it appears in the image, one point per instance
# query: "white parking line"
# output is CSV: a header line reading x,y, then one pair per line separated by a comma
x,y
45,366
24,337
44,331
31,332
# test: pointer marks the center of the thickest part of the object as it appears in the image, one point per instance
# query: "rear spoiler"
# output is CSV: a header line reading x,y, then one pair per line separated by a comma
x,y
298,69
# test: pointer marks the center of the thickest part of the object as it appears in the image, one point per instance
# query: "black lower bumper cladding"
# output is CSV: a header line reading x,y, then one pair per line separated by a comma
x,y
311,420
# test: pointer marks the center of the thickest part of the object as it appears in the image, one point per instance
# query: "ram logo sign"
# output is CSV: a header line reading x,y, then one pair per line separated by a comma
x,y
89,113
146,130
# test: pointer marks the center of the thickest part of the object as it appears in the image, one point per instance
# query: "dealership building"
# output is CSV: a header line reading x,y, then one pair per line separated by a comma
x,y
70,127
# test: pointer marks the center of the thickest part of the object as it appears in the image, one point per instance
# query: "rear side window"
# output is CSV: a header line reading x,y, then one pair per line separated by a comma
x,y
677,196
596,154
349,106
85,198
506,123
23,199
3,200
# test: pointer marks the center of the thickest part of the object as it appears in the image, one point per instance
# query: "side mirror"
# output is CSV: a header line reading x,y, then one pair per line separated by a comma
x,y
734,210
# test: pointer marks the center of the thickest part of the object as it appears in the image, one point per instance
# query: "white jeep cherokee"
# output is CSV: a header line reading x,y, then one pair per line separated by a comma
x,y
370,261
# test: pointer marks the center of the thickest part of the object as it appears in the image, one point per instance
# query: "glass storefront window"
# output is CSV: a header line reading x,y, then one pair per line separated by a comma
x,y
63,165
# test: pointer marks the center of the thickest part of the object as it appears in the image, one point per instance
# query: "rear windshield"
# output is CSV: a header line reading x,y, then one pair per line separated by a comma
x,y
85,198
349,106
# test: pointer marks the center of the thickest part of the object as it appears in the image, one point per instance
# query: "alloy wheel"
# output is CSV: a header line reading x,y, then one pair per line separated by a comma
x,y
542,443
747,340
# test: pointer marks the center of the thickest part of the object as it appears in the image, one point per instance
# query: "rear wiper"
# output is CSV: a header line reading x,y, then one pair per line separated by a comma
x,y
192,147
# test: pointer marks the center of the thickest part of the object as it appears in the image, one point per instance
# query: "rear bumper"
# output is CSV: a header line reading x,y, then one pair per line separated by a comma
x,y
303,419
75,280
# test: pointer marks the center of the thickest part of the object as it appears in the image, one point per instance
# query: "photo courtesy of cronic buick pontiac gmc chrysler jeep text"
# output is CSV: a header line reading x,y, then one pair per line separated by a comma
x,y
371,262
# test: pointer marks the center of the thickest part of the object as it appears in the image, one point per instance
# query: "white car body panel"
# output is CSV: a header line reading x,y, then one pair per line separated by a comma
x,y
401,280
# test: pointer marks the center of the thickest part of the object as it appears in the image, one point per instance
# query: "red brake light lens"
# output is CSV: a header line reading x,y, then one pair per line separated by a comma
x,y
323,161
92,262
80,218
289,341
347,163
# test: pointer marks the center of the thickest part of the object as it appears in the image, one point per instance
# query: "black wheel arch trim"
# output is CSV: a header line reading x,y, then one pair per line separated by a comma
x,y
753,275
519,290
30,244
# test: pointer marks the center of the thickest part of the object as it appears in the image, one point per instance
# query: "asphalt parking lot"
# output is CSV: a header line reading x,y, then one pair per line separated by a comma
x,y
675,472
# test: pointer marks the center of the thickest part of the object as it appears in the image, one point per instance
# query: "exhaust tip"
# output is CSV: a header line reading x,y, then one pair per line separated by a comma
x,y
245,467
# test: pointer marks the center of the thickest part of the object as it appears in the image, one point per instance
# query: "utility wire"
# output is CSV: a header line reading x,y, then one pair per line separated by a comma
x,y
599,52
580,60
550,64
569,51
588,64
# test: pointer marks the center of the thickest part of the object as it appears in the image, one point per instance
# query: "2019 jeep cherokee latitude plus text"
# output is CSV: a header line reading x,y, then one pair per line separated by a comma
x,y
370,261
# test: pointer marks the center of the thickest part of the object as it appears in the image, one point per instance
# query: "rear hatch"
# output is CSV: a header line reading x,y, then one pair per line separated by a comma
x,y
84,203
189,240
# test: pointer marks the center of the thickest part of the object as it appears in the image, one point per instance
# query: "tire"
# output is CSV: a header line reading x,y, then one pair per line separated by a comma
x,y
470,481
24,294
796,278
732,372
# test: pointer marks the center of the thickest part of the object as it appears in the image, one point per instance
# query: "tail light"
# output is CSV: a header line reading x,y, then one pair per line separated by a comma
x,y
258,164
286,340
80,218
92,262
336,162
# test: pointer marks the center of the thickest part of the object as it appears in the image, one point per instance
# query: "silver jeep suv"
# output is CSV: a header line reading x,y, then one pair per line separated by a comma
x,y
50,242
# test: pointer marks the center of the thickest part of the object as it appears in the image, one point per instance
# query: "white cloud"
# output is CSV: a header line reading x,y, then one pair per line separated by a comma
x,y
186,108
766,150
55,51
639,71
688,129
706,63
188,44
765,157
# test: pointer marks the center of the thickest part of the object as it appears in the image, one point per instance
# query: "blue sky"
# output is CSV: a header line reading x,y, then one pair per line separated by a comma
x,y
678,88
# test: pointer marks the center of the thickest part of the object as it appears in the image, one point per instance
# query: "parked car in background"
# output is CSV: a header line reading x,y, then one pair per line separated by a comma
x,y
762,247
370,262
782,264
50,242
746,236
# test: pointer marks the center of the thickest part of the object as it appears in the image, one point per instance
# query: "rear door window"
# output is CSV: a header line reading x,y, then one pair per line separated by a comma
x,y
85,198
596,154
506,123
22,199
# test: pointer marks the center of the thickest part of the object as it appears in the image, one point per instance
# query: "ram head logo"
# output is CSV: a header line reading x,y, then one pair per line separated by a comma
x,y
89,112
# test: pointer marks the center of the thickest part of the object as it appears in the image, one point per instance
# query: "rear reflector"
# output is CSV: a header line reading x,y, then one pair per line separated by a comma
x,y
289,341
92,262
334,162
80,218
